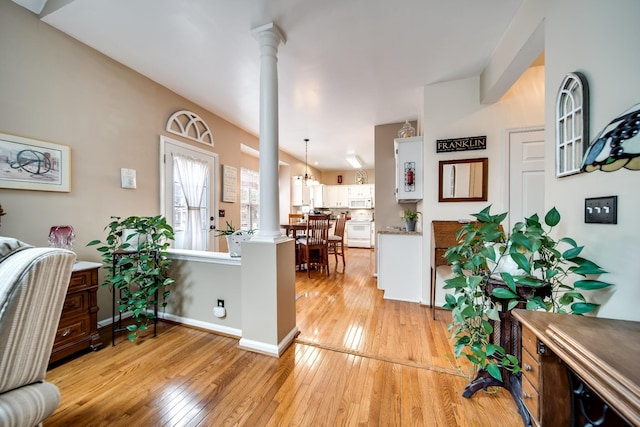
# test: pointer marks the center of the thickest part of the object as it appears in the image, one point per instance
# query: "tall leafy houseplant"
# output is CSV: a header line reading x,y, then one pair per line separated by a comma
x,y
472,309
139,247
538,260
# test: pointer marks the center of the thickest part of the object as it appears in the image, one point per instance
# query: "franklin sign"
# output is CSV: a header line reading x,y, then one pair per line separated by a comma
x,y
461,144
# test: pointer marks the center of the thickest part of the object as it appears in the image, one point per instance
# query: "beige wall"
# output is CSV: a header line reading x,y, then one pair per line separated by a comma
x,y
59,90
250,162
201,285
348,177
387,210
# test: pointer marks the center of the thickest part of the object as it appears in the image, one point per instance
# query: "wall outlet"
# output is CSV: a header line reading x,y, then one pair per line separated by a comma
x,y
220,303
601,210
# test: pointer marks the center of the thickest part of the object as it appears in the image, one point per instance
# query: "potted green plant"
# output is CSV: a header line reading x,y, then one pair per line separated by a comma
x,y
234,237
543,277
135,254
410,219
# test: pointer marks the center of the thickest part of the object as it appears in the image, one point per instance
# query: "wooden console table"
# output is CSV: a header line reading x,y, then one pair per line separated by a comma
x,y
576,360
78,327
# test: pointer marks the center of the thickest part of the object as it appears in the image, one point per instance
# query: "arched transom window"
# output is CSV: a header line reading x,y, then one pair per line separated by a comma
x,y
572,124
189,125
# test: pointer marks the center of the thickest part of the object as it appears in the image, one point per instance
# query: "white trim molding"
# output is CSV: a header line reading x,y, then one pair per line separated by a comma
x,y
219,329
189,125
269,349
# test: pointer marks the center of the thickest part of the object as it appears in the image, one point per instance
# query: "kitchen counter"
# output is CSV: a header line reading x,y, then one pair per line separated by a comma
x,y
400,231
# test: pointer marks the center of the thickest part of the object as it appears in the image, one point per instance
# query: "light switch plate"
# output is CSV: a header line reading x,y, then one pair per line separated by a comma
x,y
601,210
127,178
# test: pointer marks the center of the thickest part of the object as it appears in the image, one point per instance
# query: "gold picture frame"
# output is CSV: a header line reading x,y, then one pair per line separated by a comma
x,y
31,164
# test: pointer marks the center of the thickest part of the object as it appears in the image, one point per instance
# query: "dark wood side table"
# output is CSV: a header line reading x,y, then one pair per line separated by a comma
x,y
78,327
580,370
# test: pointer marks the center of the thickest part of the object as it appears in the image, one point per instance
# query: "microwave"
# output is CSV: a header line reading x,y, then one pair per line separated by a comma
x,y
359,203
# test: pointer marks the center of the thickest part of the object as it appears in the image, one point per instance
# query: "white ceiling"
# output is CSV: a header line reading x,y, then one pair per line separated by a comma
x,y
347,65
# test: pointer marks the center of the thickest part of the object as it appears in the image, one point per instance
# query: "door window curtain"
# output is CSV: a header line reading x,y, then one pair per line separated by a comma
x,y
192,176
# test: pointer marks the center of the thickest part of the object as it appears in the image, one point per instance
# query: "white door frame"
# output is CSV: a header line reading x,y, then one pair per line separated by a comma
x,y
214,189
507,163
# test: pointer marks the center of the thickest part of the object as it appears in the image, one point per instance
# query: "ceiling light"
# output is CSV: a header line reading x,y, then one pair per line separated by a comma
x,y
308,180
354,161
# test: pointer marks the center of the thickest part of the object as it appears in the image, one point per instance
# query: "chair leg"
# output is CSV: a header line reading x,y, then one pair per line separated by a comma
x,y
325,259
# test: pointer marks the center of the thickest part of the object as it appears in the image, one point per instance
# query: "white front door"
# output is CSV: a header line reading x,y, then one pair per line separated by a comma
x,y
526,174
173,200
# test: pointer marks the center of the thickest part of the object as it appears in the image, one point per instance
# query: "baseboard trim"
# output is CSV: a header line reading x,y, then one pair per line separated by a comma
x,y
212,327
269,349
206,326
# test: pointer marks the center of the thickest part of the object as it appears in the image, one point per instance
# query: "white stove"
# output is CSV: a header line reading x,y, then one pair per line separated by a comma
x,y
359,229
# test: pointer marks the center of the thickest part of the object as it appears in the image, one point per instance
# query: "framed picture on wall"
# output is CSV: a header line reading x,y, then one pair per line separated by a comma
x,y
31,164
229,183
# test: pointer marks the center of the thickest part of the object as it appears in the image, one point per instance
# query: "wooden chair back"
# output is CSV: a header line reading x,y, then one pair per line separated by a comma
x,y
317,230
295,218
336,241
339,226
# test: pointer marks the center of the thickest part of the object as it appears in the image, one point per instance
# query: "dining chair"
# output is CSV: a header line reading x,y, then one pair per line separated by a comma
x,y
314,246
336,241
295,218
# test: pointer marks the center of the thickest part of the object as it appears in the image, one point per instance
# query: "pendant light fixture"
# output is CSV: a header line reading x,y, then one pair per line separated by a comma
x,y
308,180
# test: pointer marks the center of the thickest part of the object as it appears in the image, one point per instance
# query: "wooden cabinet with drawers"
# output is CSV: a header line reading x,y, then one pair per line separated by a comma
x,y
580,370
543,376
78,327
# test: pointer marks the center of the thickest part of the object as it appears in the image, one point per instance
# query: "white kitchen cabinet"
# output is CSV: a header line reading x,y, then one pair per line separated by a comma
x,y
409,169
400,265
362,191
300,194
373,195
373,234
337,196
319,196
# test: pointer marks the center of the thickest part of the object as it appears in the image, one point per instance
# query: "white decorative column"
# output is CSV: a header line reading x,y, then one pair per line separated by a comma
x,y
270,38
268,274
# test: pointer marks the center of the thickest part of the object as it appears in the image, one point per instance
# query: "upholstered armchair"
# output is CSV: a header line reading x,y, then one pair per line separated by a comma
x,y
33,286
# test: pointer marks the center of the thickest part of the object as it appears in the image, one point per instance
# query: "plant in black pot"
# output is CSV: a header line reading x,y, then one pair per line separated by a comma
x,y
135,254
494,273
410,219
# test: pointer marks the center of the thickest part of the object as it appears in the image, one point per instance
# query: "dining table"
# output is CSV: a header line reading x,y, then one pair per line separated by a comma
x,y
293,229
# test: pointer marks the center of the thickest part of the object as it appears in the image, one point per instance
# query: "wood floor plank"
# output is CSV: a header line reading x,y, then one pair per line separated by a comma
x,y
359,360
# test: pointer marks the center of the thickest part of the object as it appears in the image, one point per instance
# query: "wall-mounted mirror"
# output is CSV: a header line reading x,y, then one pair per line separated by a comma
x,y
463,180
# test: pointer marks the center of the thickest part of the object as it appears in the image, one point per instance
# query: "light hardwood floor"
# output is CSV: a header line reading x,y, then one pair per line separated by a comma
x,y
358,360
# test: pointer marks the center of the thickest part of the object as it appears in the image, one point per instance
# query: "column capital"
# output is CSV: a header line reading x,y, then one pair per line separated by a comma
x,y
271,28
